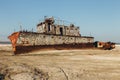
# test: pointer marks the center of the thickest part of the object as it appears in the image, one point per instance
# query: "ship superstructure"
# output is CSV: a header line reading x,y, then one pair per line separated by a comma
x,y
49,27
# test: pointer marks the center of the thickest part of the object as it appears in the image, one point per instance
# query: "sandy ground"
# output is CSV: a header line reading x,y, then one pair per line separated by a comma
x,y
61,65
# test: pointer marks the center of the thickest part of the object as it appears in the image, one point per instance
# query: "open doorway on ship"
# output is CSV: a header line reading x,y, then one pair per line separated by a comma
x,y
61,31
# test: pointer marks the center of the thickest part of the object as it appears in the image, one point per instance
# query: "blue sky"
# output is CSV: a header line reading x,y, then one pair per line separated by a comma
x,y
99,18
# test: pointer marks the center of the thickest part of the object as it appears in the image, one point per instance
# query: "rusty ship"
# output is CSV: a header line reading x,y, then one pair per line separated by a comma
x,y
50,35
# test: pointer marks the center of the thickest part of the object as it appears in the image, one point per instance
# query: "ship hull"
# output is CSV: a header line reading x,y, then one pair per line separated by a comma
x,y
24,42
27,49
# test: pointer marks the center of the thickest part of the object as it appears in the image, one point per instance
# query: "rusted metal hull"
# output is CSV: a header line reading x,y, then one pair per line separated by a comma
x,y
23,42
26,49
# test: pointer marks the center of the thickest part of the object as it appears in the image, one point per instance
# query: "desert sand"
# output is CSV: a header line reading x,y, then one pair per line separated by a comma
x,y
88,64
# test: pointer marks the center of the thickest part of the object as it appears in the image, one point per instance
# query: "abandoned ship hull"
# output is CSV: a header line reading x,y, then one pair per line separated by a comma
x,y
26,49
23,42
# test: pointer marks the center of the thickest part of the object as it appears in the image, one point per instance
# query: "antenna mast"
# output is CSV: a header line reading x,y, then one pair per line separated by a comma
x,y
20,28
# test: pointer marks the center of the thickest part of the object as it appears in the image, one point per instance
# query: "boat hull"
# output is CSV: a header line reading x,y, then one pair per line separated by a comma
x,y
24,42
27,49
